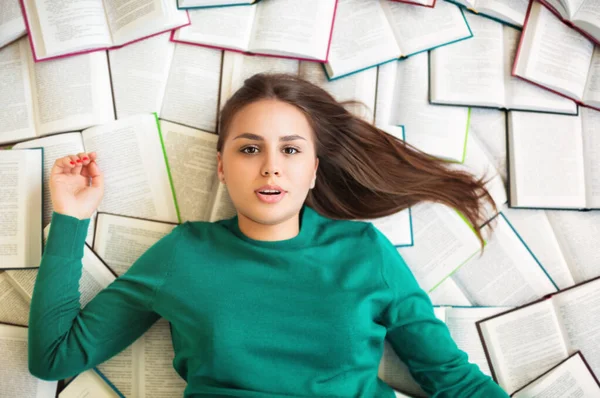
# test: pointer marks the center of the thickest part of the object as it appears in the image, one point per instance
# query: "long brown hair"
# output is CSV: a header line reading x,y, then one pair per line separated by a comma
x,y
364,172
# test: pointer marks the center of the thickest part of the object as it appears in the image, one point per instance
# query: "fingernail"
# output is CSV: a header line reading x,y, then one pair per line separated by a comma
x,y
78,160
72,162
85,158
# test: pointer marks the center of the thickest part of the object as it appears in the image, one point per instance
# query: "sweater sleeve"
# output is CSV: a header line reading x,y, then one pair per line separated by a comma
x,y
422,341
63,339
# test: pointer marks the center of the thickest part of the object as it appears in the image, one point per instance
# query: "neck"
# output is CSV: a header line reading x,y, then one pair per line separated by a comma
x,y
286,229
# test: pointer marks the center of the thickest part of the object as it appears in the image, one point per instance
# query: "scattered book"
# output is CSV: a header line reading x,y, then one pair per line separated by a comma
x,y
54,32
582,15
553,160
489,126
282,28
367,34
511,12
12,25
477,72
426,3
14,308
186,4
90,383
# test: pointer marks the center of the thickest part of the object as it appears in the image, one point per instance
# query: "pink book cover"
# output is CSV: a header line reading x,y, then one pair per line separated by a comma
x,y
36,59
264,54
513,73
555,12
415,3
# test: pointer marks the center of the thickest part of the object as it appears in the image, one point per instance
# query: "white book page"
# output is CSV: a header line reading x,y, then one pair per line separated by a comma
x,y
88,383
591,144
71,93
521,94
489,126
385,107
506,275
438,130
13,306
578,311
443,243
209,3
420,28
396,227
67,26
293,28
578,234
523,343
546,155
192,157
16,379
511,11
536,231
120,241
362,37
587,18
553,54
359,86
591,95
448,293
158,377
470,72
396,374
55,146
571,378
222,208
24,281
461,323
227,27
139,74
16,104
120,369
192,91
131,157
12,23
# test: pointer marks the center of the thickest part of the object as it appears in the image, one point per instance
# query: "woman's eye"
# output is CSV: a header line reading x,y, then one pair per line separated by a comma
x,y
292,148
245,150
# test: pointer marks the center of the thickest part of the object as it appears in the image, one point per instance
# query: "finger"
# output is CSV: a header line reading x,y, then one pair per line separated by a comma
x,y
62,165
76,170
96,175
85,159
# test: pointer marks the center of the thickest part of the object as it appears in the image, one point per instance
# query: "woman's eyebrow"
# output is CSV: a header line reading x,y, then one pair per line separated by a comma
x,y
257,137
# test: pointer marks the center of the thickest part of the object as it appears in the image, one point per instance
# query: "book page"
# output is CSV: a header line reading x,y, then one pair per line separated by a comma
x,y
192,92
591,95
16,379
71,93
546,160
16,104
226,27
385,108
139,74
222,207
129,20
421,28
506,275
536,231
471,72
88,383
394,372
396,227
23,281
209,3
523,343
293,28
553,54
591,143
362,37
578,311
12,23
359,86
587,17
511,11
572,378
120,369
13,306
192,157
55,146
443,243
521,94
448,293
440,131
578,234
120,241
489,126
136,179
67,26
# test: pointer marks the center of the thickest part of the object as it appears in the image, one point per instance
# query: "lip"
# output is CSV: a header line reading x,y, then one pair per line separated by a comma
x,y
270,198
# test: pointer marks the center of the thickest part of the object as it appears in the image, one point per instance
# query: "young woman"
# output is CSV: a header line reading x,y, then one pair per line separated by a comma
x,y
289,298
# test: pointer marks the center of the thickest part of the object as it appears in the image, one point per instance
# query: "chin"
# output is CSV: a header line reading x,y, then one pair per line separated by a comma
x,y
270,214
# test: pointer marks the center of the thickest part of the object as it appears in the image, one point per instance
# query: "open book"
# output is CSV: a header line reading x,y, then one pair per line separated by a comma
x,y
477,72
367,34
570,378
16,379
402,99
21,208
282,28
553,160
489,126
12,24
426,3
582,15
185,4
14,308
54,31
523,343
556,57
87,384
177,81
510,12
51,97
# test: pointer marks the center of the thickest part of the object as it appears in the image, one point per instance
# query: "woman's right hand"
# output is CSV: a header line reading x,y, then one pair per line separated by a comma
x,y
70,187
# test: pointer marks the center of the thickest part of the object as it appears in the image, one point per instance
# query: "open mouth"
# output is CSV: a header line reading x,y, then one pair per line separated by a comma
x,y
270,192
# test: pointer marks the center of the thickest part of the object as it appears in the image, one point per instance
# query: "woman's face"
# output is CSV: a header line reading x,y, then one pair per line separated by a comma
x,y
269,142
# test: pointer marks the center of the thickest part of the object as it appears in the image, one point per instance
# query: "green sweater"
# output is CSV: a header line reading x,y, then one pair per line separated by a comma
x,y
300,317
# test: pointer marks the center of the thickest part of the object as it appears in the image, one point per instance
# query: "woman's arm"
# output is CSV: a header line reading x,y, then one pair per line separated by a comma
x,y
422,341
65,340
